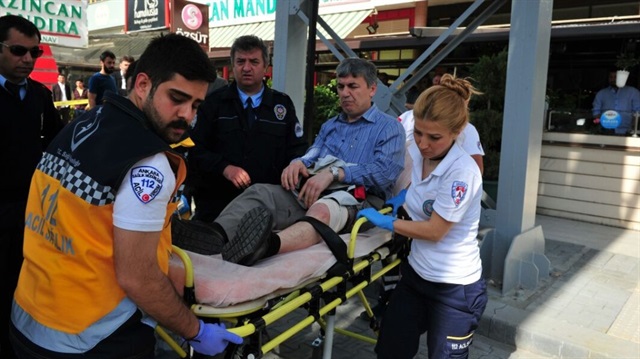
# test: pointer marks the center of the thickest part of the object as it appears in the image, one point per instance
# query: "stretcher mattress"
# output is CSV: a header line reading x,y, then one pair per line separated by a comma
x,y
221,284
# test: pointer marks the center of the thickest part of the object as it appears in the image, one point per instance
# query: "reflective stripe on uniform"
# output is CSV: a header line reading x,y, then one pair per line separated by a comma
x,y
62,342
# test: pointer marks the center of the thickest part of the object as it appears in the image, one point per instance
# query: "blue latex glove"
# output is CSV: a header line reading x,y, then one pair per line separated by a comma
x,y
377,218
213,339
397,201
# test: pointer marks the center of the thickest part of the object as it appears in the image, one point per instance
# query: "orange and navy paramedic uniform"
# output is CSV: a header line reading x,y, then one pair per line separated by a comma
x,y
68,298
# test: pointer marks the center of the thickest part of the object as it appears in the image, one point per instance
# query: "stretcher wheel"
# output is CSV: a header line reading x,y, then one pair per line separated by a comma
x,y
242,351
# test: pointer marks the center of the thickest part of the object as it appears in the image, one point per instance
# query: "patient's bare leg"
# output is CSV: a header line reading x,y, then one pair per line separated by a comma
x,y
301,235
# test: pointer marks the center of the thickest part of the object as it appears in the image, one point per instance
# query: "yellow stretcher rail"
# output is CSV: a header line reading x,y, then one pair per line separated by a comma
x,y
360,278
71,103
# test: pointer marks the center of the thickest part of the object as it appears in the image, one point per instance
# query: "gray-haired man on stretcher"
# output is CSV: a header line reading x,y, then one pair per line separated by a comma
x,y
359,154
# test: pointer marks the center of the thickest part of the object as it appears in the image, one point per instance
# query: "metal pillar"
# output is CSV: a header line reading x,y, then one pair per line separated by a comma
x,y
397,101
289,46
516,246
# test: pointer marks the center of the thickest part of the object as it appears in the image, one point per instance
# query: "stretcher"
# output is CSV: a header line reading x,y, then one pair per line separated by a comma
x,y
253,298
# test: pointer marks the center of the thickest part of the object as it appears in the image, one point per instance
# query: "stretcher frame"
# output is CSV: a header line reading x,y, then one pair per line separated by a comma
x,y
320,297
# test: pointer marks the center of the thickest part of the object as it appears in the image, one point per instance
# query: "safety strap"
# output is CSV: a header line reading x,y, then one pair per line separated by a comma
x,y
335,244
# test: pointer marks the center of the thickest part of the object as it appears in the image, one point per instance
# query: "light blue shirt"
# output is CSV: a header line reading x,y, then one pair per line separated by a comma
x,y
625,101
255,99
375,144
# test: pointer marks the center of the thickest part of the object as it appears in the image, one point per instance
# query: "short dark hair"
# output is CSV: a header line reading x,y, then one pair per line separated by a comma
x,y
248,43
105,54
127,58
357,67
130,71
171,54
19,23
129,75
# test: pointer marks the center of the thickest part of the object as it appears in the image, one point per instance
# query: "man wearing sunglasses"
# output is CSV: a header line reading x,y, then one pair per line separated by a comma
x,y
31,120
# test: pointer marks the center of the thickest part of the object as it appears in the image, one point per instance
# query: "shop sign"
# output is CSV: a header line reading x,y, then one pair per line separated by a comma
x,y
61,22
610,119
236,12
146,15
190,19
106,14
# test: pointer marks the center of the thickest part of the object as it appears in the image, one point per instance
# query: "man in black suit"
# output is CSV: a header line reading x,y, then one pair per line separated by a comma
x,y
32,123
119,76
62,92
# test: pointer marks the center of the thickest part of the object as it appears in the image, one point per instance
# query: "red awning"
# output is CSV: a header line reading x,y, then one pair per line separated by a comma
x,y
46,69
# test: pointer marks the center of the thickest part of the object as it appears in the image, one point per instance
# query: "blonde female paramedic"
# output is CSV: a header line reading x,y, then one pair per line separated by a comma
x,y
441,291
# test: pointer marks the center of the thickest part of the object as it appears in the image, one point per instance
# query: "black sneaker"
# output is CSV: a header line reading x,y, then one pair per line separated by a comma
x,y
196,236
250,243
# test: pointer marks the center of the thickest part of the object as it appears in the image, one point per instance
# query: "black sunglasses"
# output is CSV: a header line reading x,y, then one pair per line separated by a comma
x,y
19,50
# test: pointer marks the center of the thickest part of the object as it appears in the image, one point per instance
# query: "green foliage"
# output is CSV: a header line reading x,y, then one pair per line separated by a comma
x,y
489,125
326,105
489,75
561,101
627,61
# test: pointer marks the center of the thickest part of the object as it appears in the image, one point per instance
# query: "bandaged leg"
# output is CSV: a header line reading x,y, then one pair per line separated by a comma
x,y
337,210
302,234
338,215
344,210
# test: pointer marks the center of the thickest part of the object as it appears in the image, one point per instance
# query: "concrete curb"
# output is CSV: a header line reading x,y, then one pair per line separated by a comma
x,y
549,336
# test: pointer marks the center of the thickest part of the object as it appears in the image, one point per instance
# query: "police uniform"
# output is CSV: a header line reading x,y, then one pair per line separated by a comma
x,y
441,290
224,137
68,299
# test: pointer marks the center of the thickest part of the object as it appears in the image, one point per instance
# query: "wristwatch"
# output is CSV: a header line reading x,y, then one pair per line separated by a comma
x,y
335,171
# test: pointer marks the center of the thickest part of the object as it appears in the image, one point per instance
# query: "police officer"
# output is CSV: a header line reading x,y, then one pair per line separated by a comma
x,y
246,133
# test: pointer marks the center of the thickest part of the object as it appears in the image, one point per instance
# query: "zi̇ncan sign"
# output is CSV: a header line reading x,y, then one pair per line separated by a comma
x,y
61,22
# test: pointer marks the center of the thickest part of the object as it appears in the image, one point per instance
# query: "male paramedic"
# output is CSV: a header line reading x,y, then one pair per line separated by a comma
x,y
362,146
97,234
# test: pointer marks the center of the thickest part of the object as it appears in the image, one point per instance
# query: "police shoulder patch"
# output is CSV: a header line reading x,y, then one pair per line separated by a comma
x,y
280,111
146,182
458,192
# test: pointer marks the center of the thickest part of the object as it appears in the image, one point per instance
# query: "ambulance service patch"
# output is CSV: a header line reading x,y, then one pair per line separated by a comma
x,y
427,207
458,192
146,182
280,111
